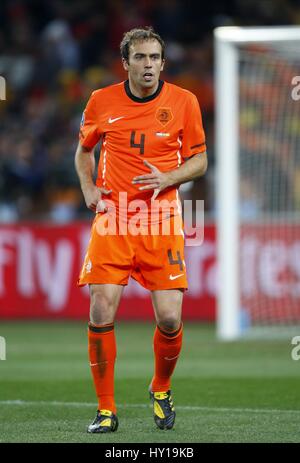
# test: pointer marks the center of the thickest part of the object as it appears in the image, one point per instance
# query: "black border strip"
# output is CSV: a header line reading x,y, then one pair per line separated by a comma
x,y
197,146
101,329
171,334
147,98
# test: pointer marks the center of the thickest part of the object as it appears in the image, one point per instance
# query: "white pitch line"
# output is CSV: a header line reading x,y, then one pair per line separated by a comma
x,y
179,407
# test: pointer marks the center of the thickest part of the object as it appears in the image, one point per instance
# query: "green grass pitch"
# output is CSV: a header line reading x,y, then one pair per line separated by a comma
x,y
246,391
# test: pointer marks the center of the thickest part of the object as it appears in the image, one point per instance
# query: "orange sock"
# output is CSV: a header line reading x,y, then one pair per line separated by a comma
x,y
167,347
102,355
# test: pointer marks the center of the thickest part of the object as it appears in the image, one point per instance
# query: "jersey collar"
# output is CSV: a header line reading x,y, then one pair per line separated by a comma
x,y
147,98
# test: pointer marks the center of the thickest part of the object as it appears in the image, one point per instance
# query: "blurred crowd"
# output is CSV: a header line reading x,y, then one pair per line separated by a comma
x,y
53,54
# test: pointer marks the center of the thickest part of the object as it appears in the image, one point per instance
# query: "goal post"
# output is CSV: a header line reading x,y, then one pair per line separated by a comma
x,y
256,135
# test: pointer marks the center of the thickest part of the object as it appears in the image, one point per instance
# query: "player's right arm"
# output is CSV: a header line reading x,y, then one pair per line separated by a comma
x,y
89,136
85,167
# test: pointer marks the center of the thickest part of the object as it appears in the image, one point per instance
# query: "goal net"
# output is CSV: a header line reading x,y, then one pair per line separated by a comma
x,y
258,181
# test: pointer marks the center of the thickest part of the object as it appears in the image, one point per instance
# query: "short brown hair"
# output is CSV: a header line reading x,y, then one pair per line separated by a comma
x,y
140,34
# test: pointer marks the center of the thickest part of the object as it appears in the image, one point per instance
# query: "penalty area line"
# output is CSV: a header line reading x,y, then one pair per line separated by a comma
x,y
54,403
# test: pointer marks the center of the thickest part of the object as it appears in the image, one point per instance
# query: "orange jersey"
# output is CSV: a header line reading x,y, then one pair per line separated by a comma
x,y
164,129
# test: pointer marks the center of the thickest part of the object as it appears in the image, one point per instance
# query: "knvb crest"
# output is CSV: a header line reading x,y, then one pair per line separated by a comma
x,y
164,115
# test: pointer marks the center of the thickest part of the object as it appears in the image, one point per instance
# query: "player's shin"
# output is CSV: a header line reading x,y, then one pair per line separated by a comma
x,y
167,347
102,356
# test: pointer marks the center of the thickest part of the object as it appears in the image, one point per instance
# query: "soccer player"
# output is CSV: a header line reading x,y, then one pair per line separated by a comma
x,y
152,141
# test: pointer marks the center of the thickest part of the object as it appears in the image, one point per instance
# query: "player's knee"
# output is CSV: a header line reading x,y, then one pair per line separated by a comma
x,y
101,309
170,322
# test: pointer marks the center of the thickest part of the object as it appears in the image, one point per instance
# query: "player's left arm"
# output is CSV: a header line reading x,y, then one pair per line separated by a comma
x,y
193,168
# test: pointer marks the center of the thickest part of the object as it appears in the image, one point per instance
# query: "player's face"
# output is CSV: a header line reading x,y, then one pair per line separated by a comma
x,y
144,66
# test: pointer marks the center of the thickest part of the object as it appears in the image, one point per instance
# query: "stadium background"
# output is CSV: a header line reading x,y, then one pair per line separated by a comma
x,y
53,54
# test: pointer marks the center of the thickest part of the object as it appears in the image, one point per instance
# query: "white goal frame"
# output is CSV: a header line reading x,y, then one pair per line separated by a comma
x,y
227,40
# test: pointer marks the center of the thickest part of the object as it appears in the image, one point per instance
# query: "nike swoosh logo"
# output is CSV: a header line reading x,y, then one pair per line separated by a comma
x,y
110,120
173,277
100,363
171,358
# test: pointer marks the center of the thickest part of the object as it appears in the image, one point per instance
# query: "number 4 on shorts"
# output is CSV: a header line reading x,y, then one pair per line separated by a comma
x,y
173,261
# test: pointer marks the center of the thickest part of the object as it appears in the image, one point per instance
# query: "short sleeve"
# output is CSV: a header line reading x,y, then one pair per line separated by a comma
x,y
89,133
193,137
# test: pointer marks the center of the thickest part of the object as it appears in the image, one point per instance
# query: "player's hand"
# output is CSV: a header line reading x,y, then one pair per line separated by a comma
x,y
156,180
93,198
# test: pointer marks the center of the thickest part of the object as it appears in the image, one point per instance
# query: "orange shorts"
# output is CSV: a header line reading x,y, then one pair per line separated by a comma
x,y
156,261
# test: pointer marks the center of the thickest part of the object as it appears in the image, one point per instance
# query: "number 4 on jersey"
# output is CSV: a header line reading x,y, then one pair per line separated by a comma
x,y
140,145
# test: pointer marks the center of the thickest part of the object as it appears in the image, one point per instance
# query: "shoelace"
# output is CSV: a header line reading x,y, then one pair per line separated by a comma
x,y
99,414
168,403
